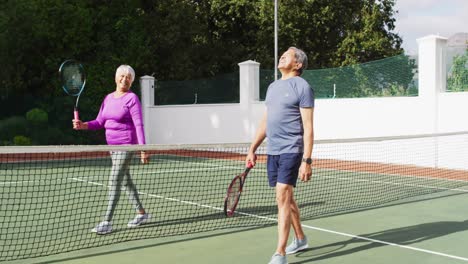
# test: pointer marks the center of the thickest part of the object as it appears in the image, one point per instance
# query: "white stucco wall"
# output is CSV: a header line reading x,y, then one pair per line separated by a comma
x,y
432,111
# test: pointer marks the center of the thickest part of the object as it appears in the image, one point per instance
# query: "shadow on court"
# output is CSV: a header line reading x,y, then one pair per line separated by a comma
x,y
240,220
150,245
401,236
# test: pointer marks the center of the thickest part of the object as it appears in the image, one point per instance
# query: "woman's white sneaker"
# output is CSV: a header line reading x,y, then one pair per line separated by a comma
x,y
139,220
105,227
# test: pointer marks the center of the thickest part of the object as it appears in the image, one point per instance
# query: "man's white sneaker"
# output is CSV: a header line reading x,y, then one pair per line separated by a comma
x,y
278,259
297,245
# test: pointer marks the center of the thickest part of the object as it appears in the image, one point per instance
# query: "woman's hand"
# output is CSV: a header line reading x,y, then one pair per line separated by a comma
x,y
144,157
79,125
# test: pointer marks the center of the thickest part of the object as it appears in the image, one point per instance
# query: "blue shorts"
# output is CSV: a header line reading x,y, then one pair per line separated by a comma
x,y
283,168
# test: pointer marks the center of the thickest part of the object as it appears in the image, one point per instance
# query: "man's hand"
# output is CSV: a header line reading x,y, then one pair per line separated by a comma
x,y
305,172
251,158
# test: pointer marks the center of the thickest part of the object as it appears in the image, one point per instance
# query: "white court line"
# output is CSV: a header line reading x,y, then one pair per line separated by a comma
x,y
234,167
187,170
183,161
16,182
339,178
158,196
93,183
400,184
394,174
386,243
211,167
305,226
172,171
364,238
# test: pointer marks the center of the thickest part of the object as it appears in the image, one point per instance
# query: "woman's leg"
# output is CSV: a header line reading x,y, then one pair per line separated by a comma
x,y
120,164
131,189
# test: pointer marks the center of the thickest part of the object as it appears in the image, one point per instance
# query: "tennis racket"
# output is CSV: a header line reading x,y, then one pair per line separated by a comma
x,y
73,79
234,191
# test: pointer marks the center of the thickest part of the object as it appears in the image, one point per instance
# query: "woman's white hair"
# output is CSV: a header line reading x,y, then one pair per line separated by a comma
x,y
126,69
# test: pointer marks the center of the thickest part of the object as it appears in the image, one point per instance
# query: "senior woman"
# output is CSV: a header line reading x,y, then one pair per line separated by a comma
x,y
121,116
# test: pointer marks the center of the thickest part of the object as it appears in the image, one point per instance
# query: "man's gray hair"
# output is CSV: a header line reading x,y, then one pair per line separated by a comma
x,y
125,69
301,57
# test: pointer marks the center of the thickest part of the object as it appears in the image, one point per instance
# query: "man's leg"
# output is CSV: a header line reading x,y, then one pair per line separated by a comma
x,y
296,221
284,199
300,240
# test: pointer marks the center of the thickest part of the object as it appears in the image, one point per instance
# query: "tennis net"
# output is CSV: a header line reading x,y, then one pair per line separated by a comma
x,y
53,196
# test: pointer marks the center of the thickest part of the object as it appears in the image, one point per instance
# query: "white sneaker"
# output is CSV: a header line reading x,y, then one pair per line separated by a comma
x,y
139,220
278,259
297,245
105,227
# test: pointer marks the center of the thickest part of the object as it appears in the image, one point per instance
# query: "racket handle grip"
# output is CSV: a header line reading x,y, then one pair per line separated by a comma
x,y
76,115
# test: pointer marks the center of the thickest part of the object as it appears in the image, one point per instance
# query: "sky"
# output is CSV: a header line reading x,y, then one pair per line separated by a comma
x,y
419,18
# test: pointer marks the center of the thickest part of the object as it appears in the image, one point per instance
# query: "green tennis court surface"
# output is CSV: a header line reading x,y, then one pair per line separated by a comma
x,y
351,208
434,229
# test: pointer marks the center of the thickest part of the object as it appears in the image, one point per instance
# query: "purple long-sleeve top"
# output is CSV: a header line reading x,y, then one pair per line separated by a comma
x,y
122,119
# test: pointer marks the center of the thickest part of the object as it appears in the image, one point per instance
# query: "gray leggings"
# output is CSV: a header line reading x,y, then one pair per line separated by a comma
x,y
121,173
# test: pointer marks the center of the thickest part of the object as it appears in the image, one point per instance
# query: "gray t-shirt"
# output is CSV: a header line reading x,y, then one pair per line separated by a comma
x,y
284,129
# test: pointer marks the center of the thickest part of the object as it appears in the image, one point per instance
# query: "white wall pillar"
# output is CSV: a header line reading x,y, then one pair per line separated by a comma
x,y
249,93
147,101
432,74
431,65
249,83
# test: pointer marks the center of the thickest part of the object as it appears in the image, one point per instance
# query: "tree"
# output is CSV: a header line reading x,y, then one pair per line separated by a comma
x,y
172,40
369,35
457,80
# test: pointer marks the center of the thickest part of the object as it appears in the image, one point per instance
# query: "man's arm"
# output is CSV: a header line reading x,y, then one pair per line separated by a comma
x,y
307,115
260,135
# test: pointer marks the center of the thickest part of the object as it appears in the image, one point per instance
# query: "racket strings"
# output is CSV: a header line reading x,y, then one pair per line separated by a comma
x,y
73,78
233,194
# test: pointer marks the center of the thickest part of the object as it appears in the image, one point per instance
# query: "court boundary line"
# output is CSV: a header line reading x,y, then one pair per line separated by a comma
x,y
324,176
400,184
386,243
303,225
364,238
392,174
